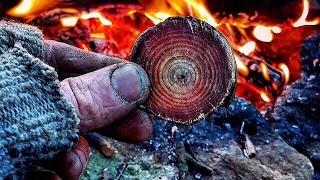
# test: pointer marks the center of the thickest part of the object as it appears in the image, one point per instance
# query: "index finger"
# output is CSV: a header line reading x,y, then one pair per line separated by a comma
x,y
67,59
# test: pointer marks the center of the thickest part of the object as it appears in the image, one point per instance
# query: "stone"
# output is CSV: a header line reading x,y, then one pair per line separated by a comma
x,y
210,148
296,111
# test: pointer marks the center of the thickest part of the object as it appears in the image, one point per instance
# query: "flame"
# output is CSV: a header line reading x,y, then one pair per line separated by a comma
x,y
201,12
69,21
276,29
264,33
247,48
302,21
158,11
284,68
244,35
98,15
83,46
158,17
264,70
28,7
265,97
98,35
242,68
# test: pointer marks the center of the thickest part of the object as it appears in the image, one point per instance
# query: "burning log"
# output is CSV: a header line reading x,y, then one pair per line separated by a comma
x,y
262,74
92,31
191,68
260,79
112,28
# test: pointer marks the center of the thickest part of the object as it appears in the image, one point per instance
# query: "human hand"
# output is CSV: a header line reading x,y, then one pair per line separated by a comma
x,y
105,92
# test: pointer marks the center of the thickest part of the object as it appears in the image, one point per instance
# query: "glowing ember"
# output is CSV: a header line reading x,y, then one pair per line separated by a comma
x,y
98,35
264,33
302,21
98,15
83,46
28,7
286,71
113,28
248,47
265,97
264,70
276,29
23,8
158,11
242,68
69,21
158,17
201,12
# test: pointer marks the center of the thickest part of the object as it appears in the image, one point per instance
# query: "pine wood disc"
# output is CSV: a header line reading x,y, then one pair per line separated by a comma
x,y
191,67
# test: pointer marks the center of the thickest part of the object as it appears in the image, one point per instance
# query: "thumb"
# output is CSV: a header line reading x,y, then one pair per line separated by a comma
x,y
105,95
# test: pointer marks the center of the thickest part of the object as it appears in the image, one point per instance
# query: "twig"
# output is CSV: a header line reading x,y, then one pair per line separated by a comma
x,y
122,170
100,143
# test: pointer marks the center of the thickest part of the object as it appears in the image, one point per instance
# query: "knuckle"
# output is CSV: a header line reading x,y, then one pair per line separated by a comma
x,y
88,107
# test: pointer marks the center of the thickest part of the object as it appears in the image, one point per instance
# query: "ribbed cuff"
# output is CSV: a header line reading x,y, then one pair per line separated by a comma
x,y
28,36
36,120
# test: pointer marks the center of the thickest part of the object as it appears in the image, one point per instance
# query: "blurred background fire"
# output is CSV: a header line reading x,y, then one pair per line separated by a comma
x,y
266,35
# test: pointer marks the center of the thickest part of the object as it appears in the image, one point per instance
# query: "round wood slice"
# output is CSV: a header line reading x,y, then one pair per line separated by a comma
x,y
191,67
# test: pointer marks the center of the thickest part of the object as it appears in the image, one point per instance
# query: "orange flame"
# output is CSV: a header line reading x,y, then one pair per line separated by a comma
x,y
83,46
302,21
265,97
202,12
28,7
158,11
264,70
157,17
98,15
71,21
242,68
284,68
247,48
264,33
98,35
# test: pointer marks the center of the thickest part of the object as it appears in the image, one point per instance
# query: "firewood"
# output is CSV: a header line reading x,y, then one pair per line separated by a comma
x,y
191,67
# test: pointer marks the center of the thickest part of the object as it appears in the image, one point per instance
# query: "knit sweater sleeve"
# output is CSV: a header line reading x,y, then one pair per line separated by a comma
x,y
36,121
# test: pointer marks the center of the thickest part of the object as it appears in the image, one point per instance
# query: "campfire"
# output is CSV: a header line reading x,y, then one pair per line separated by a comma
x,y
267,50
275,135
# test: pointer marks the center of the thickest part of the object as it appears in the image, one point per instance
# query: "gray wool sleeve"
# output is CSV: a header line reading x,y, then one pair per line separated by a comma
x,y
36,121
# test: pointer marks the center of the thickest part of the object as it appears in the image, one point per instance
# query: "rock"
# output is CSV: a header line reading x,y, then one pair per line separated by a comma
x,y
310,56
296,114
296,111
210,148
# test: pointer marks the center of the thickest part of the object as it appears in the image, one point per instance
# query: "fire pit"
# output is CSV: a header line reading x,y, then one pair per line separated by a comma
x,y
267,50
267,41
